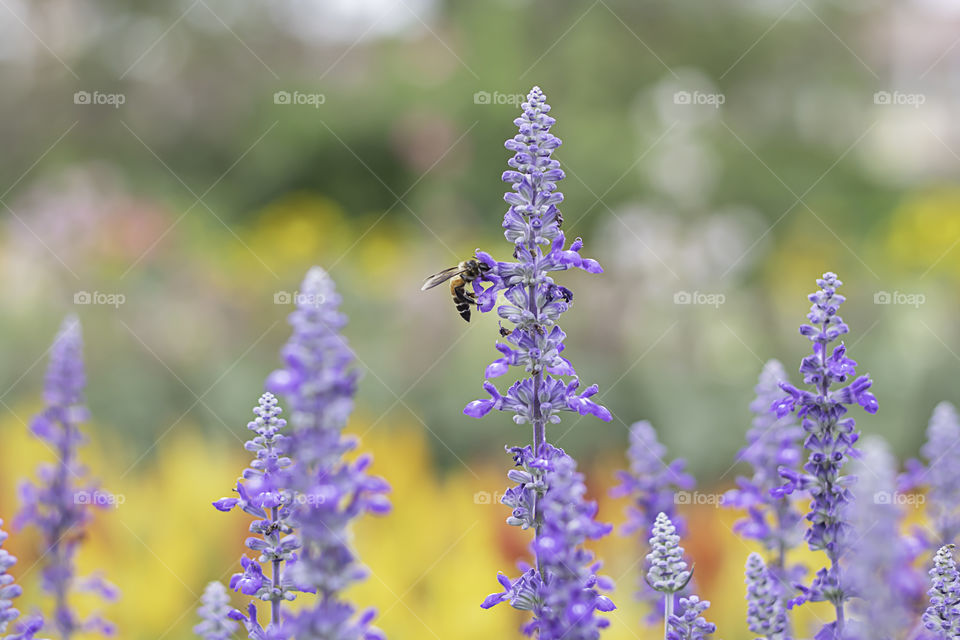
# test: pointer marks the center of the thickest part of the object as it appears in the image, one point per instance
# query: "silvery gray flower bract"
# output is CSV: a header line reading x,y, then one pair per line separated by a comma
x,y
765,613
943,615
214,613
667,571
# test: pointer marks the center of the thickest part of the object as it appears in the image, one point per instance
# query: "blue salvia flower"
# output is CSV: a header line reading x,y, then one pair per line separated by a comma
x,y
830,439
214,613
765,613
689,623
943,615
880,572
263,494
940,474
10,591
59,503
565,600
534,302
668,573
773,442
654,486
319,382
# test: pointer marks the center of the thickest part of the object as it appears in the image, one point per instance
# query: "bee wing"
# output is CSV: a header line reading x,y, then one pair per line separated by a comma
x,y
440,278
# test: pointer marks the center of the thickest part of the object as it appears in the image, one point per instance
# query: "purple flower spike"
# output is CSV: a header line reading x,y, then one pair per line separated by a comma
x,y
654,487
8,590
564,593
535,301
319,381
264,494
940,474
59,504
829,440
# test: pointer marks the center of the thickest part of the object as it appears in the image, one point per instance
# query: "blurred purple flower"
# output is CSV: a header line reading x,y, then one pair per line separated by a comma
x,y
880,571
653,485
214,613
940,474
830,439
8,590
59,503
565,592
319,382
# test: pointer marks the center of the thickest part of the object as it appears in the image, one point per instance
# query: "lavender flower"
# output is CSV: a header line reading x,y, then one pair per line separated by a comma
x,y
565,593
263,494
535,301
667,573
319,382
830,440
215,614
59,504
8,590
772,443
881,571
562,598
689,623
943,614
940,474
653,485
765,614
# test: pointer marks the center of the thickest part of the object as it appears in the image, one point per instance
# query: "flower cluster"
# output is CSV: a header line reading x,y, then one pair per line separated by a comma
x,y
214,613
319,383
263,494
941,473
773,442
652,485
59,504
830,439
8,590
943,614
563,592
667,573
881,571
534,300
765,613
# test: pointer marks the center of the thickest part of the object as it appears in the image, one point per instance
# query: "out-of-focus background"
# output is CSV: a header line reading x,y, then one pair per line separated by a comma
x,y
172,169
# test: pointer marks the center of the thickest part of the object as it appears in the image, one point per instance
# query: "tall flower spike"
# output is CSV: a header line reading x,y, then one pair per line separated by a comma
x,y
59,503
319,382
654,486
667,573
830,439
941,473
943,615
881,570
765,614
214,613
564,602
534,302
8,590
262,493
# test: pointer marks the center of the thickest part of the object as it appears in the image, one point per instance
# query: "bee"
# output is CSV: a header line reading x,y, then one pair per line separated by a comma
x,y
459,276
